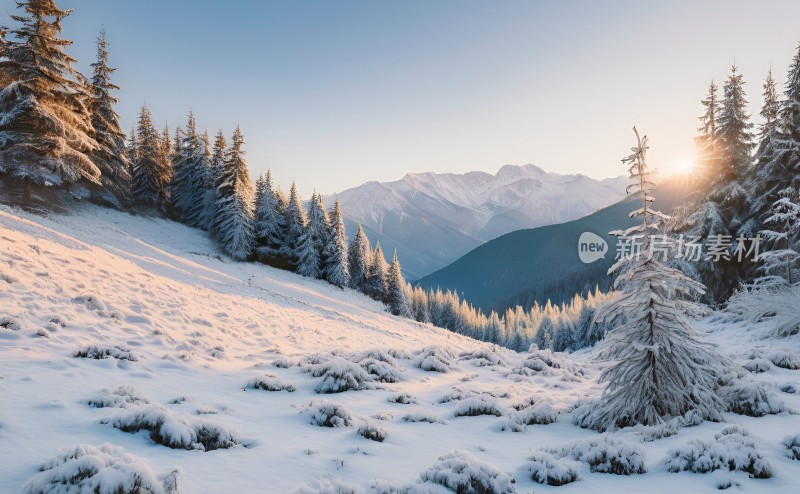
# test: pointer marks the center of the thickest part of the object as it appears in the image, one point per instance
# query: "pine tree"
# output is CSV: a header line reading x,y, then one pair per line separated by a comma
x,y
660,368
375,285
360,259
420,305
707,139
337,266
46,128
192,178
109,156
778,262
269,218
216,167
735,137
151,175
295,227
234,220
131,145
396,295
313,239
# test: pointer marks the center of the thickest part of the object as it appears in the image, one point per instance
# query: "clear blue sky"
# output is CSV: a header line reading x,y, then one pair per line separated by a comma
x,y
335,93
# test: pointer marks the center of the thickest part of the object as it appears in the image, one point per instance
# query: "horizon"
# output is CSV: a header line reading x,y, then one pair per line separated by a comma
x,y
352,92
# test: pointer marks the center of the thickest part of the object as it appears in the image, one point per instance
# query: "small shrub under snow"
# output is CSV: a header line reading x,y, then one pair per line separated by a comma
x,y
792,443
98,353
475,406
435,359
421,417
282,363
403,399
483,358
104,469
339,375
549,363
399,353
329,414
752,398
173,430
372,432
608,455
784,359
465,474
731,449
758,365
550,469
538,413
122,397
382,366
270,382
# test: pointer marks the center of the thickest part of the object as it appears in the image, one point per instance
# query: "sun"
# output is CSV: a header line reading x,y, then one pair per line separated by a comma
x,y
684,166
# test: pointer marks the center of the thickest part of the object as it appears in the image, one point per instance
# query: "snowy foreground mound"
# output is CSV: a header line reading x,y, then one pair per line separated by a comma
x,y
135,359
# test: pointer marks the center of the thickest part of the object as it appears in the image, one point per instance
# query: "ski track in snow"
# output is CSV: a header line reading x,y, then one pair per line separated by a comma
x,y
201,327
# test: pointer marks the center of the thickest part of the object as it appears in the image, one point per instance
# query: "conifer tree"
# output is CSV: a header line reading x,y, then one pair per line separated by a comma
x,y
109,156
660,367
313,239
234,220
151,175
269,218
360,259
420,305
707,139
735,136
215,172
131,145
192,178
780,261
46,128
375,285
295,227
337,266
396,295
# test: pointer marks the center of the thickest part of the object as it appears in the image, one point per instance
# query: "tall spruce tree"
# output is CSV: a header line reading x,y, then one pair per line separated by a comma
x,y
47,129
295,227
707,136
313,240
780,261
336,260
375,285
109,156
359,259
151,174
397,297
235,222
735,136
269,218
660,367
215,172
191,180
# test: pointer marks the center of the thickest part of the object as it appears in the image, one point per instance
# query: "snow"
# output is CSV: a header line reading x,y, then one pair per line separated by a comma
x,y
205,330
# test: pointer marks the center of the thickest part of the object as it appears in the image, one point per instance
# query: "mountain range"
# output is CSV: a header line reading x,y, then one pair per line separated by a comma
x,y
432,219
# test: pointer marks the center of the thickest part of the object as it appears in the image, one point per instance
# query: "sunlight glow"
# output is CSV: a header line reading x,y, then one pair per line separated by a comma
x,y
684,166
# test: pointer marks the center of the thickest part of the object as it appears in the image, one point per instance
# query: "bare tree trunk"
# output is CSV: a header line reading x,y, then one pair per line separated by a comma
x,y
26,192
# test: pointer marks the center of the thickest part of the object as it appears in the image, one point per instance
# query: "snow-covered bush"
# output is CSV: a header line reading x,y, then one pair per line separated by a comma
x,y
435,359
270,382
98,353
122,397
329,414
608,455
758,365
792,443
731,450
173,430
382,366
104,469
457,394
541,412
548,363
372,432
747,397
339,375
9,323
282,363
483,358
650,433
465,474
399,353
784,359
403,399
421,417
776,306
549,469
479,405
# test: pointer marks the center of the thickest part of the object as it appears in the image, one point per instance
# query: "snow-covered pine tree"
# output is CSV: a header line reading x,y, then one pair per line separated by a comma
x,y
151,175
109,156
707,137
234,220
360,260
420,305
295,227
192,178
734,128
375,285
269,218
215,172
777,264
396,292
131,145
336,261
660,367
313,239
46,129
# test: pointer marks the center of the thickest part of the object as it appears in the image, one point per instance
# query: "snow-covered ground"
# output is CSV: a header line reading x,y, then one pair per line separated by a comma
x,y
188,336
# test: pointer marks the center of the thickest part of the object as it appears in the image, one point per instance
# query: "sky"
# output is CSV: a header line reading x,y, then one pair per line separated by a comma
x,y
332,94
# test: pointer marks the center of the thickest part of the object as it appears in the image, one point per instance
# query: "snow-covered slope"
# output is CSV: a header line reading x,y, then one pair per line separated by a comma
x,y
432,219
188,336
